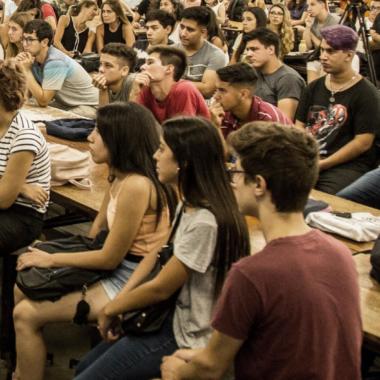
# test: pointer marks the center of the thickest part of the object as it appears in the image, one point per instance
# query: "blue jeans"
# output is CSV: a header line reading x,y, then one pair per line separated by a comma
x,y
365,190
131,357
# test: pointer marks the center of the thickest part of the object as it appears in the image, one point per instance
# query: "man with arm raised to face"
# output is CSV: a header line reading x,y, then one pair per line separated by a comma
x,y
115,77
159,86
52,75
235,102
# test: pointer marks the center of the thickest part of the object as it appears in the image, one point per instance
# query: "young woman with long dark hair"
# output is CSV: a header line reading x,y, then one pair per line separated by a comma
x,y
253,18
115,26
134,210
211,235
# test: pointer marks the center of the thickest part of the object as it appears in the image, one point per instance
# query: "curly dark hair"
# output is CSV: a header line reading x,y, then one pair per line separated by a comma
x,y
13,85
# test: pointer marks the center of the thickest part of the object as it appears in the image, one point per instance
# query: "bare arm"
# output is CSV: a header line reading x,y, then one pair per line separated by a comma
x,y
172,277
207,85
129,35
51,21
288,106
62,25
90,42
100,82
100,222
203,364
359,145
301,21
11,183
42,96
133,200
233,59
310,40
99,38
4,39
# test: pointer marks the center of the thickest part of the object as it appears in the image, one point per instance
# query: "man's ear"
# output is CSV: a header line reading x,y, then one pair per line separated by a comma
x,y
350,56
260,186
170,69
271,49
45,42
246,93
204,32
169,29
124,71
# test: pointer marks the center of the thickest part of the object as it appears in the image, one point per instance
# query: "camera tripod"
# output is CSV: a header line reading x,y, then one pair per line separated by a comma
x,y
354,12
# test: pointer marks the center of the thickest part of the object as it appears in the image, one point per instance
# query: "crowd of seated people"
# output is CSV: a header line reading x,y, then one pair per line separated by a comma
x,y
172,82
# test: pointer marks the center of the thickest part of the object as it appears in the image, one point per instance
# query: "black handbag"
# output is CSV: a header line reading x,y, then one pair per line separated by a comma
x,y
151,318
89,61
52,283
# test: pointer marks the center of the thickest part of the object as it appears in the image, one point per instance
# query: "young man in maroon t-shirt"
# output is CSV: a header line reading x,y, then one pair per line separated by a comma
x,y
159,86
235,102
292,310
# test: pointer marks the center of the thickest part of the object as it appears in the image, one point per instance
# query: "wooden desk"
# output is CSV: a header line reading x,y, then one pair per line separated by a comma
x,y
235,26
369,300
344,205
87,201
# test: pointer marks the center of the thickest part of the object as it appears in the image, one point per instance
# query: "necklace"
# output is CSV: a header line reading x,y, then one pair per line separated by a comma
x,y
333,92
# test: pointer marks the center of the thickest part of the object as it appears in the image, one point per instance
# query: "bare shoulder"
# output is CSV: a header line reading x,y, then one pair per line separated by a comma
x,y
136,184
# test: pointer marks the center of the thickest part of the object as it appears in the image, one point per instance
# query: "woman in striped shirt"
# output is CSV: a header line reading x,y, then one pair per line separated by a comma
x,y
24,166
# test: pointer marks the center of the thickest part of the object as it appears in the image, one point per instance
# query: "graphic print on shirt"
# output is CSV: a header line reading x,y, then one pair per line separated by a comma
x,y
195,72
324,123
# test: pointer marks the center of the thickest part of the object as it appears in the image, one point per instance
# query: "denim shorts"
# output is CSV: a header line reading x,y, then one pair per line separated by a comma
x,y
119,277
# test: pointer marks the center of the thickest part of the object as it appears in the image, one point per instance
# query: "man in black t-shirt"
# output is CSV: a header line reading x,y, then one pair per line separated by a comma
x,y
341,110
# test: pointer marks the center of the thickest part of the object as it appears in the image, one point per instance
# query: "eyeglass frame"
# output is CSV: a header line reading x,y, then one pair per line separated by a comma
x,y
273,13
232,172
29,40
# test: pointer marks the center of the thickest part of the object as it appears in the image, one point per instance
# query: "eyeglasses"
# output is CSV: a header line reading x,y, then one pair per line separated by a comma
x,y
233,174
373,8
29,40
276,13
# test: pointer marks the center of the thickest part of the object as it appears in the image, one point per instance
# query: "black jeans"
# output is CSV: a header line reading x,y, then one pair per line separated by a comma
x,y
19,226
